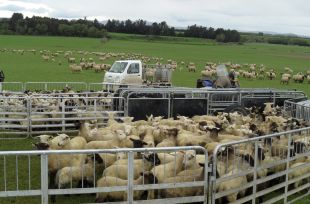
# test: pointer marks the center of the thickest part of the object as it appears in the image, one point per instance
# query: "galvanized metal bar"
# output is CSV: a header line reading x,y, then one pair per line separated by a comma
x,y
44,178
130,173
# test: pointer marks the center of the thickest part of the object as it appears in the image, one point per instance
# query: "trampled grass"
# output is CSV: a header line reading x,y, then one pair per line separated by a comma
x,y
29,67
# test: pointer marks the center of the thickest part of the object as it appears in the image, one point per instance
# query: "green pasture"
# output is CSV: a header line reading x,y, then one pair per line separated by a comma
x,y
30,67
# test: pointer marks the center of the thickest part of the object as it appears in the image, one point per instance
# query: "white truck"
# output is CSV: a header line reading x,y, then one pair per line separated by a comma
x,y
134,72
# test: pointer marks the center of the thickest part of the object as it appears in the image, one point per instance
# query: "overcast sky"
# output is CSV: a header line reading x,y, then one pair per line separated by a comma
x,y
282,16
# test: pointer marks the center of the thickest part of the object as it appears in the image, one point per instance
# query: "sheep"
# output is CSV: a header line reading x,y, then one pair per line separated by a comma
x,y
170,141
144,178
45,138
71,60
188,176
119,169
169,169
191,67
298,172
308,79
75,68
187,138
70,174
119,137
233,184
285,80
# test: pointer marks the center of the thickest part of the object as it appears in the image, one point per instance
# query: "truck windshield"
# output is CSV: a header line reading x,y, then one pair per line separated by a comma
x,y
118,67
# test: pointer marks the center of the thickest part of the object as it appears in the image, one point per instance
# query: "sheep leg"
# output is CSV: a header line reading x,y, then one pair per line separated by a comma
x,y
52,185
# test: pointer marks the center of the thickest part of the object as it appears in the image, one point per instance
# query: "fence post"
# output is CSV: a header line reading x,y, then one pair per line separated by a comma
x,y
44,178
206,180
130,178
256,158
29,107
287,165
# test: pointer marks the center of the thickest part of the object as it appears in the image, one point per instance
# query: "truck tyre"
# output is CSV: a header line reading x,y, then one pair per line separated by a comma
x,y
236,108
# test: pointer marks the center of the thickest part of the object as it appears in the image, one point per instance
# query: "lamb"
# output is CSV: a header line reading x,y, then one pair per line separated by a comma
x,y
170,141
233,184
188,176
71,60
169,169
191,67
119,137
119,169
45,138
145,178
70,174
187,138
285,80
75,68
298,172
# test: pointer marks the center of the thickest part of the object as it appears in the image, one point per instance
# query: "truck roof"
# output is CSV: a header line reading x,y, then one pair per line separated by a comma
x,y
132,61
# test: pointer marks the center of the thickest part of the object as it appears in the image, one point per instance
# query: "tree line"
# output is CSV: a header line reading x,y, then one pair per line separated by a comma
x,y
36,25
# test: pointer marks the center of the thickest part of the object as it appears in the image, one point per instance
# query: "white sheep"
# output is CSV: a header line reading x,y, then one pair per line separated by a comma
x,y
145,178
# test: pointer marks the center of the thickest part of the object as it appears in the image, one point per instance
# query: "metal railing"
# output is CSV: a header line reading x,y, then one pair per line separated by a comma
x,y
298,108
265,166
50,86
54,113
11,86
137,181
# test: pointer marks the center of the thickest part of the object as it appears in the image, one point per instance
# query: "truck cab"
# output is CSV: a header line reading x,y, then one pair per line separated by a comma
x,y
125,72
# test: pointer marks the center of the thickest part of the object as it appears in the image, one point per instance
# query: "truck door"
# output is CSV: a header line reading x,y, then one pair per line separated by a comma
x,y
133,75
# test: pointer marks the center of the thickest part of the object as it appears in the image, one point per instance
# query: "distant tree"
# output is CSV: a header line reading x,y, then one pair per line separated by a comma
x,y
16,17
220,37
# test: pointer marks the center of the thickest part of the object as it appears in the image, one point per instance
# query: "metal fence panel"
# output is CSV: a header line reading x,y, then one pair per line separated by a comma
x,y
14,116
266,166
85,179
11,87
50,86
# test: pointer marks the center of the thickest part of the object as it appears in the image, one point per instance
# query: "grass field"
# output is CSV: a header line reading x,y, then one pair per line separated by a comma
x,y
29,67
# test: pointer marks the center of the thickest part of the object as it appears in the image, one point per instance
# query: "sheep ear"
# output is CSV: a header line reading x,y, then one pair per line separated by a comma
x,y
144,143
202,164
132,139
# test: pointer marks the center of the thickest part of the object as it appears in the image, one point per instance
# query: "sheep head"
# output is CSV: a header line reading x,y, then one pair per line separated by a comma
x,y
137,143
152,158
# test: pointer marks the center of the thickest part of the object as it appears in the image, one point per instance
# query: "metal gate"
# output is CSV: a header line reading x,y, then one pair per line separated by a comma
x,y
37,176
262,169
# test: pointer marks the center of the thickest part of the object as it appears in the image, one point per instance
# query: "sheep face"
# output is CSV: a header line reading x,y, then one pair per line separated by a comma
x,y
153,159
137,143
41,146
63,140
45,138
189,158
120,134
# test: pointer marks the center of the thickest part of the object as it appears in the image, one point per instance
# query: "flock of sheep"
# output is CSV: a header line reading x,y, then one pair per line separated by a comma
x,y
106,170
84,60
49,107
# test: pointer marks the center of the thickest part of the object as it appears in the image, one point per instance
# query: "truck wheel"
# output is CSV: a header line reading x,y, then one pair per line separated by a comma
x,y
238,109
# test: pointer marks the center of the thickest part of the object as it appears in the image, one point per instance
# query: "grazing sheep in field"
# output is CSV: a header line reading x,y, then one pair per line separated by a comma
x,y
191,67
308,78
75,68
71,60
45,58
285,80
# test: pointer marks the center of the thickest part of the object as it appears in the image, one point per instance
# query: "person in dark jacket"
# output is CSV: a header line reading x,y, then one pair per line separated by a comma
x,y
1,76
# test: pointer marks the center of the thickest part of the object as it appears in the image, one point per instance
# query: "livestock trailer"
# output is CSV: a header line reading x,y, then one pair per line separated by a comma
x,y
171,102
